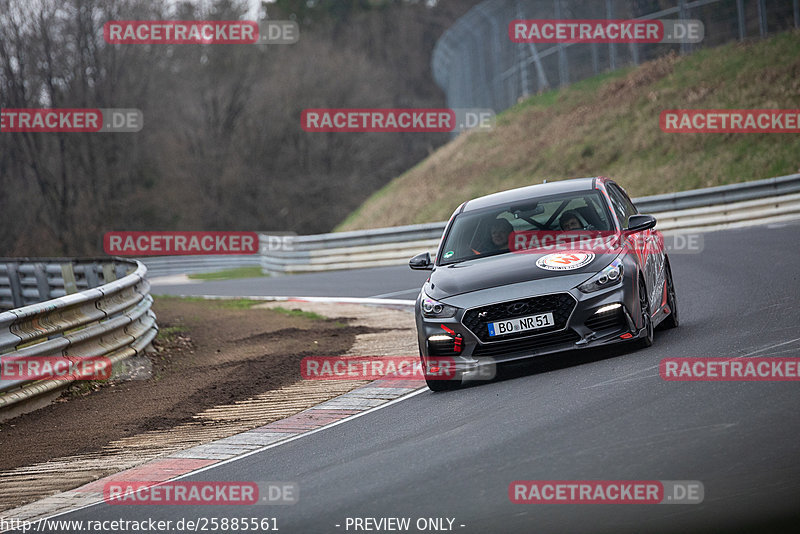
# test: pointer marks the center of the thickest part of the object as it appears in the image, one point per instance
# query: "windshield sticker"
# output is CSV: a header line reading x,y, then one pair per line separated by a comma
x,y
565,261
448,254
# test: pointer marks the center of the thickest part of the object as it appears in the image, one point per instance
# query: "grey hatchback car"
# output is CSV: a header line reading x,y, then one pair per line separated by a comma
x,y
536,270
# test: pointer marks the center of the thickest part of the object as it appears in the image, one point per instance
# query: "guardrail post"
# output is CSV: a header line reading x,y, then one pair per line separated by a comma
x,y
68,275
42,283
90,272
16,288
108,273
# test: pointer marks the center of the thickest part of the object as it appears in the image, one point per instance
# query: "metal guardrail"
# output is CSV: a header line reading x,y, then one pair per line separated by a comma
x,y
723,194
170,265
393,246
111,317
712,208
347,250
26,281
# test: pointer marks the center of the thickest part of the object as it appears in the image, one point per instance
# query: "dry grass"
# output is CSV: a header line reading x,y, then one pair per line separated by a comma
x,y
608,125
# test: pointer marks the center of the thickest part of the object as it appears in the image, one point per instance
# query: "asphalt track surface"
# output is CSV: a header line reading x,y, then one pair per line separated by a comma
x,y
383,282
602,416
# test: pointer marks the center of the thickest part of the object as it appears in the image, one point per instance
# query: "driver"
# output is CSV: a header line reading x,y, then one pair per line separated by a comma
x,y
569,221
499,230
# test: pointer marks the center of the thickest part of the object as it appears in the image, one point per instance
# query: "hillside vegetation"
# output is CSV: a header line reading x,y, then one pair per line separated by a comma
x,y
609,125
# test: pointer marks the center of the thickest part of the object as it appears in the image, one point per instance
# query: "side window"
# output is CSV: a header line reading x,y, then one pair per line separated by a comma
x,y
619,209
630,209
622,204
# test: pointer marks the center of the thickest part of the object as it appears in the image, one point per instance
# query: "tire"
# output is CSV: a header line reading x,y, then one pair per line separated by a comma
x,y
672,320
437,384
644,306
442,385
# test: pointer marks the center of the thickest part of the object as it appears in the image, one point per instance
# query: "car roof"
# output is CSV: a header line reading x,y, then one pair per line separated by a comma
x,y
528,192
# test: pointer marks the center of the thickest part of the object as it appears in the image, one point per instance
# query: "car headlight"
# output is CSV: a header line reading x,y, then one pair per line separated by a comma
x,y
434,309
608,277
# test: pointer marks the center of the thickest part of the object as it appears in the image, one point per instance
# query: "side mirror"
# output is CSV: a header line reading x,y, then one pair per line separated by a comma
x,y
638,223
421,262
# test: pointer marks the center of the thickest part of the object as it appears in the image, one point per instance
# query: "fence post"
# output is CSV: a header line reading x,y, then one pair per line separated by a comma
x,y
494,64
742,22
762,18
563,66
796,5
523,65
612,51
683,14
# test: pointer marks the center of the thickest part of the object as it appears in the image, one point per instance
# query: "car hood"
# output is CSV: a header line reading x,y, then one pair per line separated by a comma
x,y
505,269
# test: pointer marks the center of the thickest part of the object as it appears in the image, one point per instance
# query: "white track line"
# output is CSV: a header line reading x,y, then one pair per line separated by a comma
x,y
371,301
414,393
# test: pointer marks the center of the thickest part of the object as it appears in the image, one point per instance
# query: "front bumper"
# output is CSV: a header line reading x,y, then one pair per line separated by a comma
x,y
475,355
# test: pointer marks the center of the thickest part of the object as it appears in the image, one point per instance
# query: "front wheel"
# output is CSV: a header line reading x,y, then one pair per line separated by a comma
x,y
647,320
442,385
671,321
439,383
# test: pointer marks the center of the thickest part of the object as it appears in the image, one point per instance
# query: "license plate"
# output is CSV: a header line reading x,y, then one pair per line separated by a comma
x,y
521,324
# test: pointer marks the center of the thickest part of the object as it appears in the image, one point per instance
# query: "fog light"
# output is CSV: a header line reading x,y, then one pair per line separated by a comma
x,y
444,345
608,308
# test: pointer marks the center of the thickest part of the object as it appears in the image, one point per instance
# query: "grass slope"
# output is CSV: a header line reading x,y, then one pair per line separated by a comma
x,y
608,125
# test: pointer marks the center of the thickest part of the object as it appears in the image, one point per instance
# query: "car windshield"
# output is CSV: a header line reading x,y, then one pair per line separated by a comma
x,y
485,232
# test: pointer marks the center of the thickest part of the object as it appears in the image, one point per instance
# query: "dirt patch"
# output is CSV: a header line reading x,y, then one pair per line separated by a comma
x,y
197,365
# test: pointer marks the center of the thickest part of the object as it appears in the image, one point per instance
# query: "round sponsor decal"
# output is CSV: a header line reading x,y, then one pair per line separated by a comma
x,y
448,254
565,261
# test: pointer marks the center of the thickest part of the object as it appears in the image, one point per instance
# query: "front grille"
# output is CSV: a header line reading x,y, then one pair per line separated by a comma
x,y
526,344
610,319
560,304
